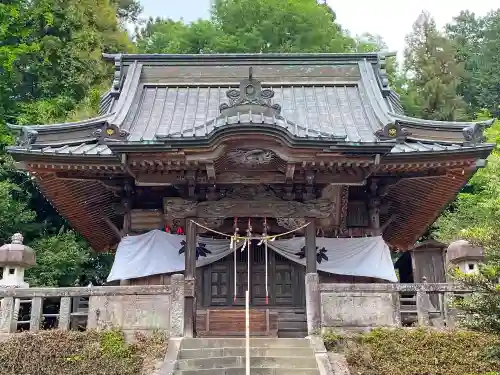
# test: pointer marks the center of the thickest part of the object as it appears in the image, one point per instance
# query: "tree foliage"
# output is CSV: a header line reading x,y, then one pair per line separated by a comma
x,y
478,46
475,216
432,72
262,26
51,69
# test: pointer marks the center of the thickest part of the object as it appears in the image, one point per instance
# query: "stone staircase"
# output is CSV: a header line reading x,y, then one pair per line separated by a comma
x,y
226,356
292,324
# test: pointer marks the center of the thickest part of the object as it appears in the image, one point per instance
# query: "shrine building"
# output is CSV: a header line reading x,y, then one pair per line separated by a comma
x,y
253,171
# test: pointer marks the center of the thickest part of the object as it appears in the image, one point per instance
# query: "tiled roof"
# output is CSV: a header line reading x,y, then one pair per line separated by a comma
x,y
96,149
307,111
330,99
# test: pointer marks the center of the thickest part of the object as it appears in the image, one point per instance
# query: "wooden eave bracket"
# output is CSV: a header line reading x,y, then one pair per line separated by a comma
x,y
113,227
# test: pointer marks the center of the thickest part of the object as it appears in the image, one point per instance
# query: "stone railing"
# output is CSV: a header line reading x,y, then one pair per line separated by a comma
x,y
363,306
130,308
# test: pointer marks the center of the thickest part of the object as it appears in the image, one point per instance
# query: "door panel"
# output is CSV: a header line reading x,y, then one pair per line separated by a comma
x,y
283,284
219,287
285,280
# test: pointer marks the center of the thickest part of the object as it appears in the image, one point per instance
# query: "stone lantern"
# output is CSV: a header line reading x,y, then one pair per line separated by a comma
x,y
465,256
14,259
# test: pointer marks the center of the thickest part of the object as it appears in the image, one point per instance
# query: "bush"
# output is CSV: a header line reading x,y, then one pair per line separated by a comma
x,y
417,352
78,353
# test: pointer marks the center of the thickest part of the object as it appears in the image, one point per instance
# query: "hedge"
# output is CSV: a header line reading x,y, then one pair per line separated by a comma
x,y
79,353
418,352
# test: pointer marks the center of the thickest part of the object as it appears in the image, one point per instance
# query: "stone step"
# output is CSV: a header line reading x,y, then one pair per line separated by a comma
x,y
255,362
253,371
291,325
291,317
293,333
237,352
198,343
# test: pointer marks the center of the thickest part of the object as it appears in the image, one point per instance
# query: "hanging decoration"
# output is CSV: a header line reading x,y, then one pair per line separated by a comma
x,y
248,241
264,236
237,237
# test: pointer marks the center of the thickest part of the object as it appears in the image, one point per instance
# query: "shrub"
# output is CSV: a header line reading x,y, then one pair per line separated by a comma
x,y
77,353
418,352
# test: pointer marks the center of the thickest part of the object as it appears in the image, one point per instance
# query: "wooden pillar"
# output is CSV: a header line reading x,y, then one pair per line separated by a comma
x,y
313,312
190,275
310,236
374,211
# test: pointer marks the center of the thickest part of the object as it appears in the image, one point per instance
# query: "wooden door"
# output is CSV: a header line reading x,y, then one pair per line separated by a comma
x,y
216,284
285,280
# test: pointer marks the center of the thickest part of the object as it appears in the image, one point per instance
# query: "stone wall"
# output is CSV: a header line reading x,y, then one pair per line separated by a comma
x,y
365,306
146,312
356,306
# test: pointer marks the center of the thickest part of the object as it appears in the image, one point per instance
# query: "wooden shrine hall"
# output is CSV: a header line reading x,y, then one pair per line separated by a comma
x,y
314,144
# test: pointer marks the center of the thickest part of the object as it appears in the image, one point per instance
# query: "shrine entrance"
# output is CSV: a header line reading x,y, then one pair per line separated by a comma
x,y
285,280
221,311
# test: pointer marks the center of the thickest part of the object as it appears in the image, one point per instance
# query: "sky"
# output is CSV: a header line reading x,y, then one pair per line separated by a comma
x,y
391,19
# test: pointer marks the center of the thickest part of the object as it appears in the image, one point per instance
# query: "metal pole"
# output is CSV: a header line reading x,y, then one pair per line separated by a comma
x,y
247,332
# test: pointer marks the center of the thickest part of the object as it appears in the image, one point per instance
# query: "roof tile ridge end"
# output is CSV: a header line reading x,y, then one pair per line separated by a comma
x,y
127,95
375,98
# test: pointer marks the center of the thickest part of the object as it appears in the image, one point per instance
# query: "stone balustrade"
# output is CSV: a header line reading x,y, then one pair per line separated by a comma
x,y
147,308
129,308
365,306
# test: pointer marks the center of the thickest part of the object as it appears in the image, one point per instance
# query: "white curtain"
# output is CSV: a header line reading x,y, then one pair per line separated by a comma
x,y
157,252
368,256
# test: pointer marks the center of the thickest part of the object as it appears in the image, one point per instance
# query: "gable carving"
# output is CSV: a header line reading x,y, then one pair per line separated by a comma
x,y
250,93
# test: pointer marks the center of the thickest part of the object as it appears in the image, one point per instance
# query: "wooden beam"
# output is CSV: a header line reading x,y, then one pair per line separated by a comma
x,y
180,208
310,236
190,277
113,227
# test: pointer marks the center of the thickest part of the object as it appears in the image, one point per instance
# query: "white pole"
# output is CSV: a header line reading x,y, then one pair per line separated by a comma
x,y
247,332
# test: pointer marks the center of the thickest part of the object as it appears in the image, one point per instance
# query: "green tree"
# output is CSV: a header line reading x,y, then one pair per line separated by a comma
x,y
14,212
51,69
466,31
66,260
432,72
475,216
249,26
477,40
279,26
50,54
127,10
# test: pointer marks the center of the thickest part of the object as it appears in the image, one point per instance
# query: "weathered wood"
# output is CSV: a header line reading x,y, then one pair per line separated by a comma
x,y
190,275
113,227
310,235
428,261
231,322
144,220
180,208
